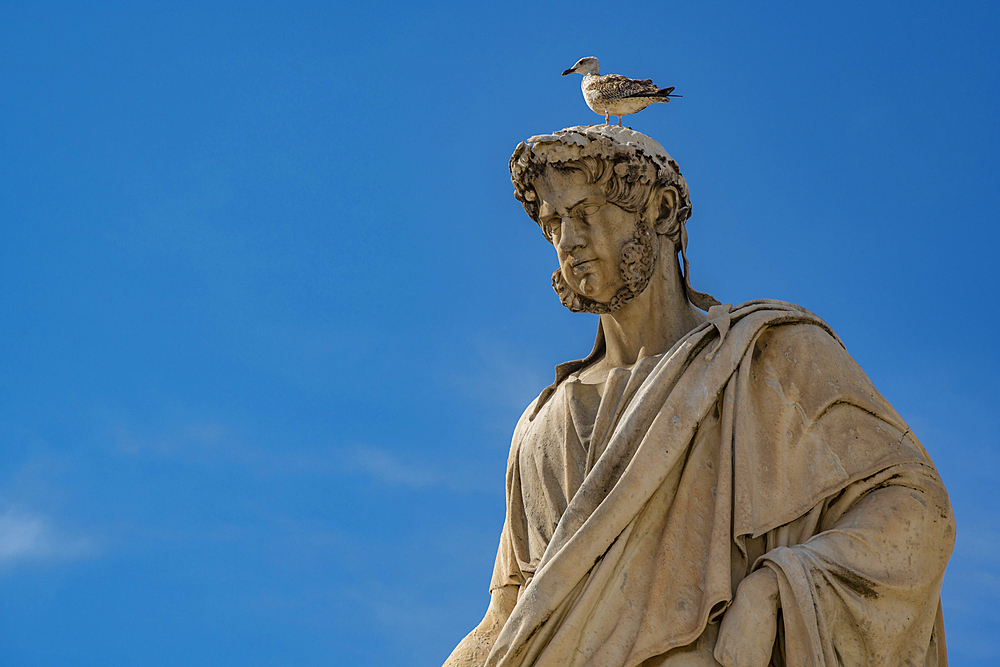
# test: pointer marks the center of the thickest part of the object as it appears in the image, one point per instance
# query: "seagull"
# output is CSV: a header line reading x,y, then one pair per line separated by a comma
x,y
616,95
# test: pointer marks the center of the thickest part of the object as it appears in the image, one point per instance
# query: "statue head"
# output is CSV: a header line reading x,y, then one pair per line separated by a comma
x,y
633,178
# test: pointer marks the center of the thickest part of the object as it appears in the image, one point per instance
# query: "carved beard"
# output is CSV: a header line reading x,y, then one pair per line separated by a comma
x,y
636,267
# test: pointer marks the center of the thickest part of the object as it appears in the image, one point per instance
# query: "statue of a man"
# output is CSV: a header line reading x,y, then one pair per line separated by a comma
x,y
712,485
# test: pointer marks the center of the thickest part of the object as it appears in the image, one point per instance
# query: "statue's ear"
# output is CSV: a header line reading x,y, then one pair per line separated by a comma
x,y
666,210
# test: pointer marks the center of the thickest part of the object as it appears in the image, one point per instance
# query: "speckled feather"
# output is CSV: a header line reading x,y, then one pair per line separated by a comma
x,y
616,95
616,86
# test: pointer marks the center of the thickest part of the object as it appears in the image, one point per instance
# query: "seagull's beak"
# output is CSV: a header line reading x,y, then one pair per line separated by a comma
x,y
569,71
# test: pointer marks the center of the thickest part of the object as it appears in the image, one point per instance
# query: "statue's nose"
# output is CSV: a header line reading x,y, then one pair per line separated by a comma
x,y
571,235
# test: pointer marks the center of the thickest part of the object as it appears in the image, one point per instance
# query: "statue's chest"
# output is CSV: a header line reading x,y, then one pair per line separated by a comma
x,y
560,448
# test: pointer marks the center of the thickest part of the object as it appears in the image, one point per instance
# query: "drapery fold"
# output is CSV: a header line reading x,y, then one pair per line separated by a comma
x,y
754,421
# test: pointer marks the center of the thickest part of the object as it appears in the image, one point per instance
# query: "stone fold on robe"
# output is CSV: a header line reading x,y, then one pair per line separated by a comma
x,y
635,507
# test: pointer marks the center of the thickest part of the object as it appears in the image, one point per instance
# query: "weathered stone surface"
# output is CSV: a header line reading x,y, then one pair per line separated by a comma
x,y
722,487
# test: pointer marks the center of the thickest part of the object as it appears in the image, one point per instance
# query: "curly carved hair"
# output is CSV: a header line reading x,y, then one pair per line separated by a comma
x,y
631,180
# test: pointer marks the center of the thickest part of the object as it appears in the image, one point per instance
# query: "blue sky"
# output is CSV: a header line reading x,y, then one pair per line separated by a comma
x,y
270,311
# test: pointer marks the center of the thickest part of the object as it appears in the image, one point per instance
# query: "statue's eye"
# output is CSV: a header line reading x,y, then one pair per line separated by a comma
x,y
587,211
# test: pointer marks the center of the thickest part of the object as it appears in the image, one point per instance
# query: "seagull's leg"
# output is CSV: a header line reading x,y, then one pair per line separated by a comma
x,y
607,117
619,121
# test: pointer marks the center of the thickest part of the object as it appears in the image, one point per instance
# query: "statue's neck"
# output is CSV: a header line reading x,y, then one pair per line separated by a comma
x,y
651,323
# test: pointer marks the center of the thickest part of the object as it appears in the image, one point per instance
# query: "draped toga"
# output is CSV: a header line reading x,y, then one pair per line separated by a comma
x,y
636,506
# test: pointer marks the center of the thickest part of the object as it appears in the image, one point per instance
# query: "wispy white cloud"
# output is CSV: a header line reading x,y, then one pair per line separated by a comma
x,y
503,378
31,538
207,443
390,469
200,440
400,467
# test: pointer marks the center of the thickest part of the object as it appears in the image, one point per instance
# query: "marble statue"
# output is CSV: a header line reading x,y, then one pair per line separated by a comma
x,y
713,484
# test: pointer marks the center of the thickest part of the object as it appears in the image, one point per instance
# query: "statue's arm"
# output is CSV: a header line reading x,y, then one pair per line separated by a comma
x,y
750,624
883,558
473,650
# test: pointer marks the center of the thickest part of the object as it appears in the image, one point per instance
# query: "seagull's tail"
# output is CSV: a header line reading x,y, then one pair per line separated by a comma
x,y
661,95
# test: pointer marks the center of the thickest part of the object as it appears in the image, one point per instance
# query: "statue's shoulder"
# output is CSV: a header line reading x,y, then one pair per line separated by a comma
x,y
523,423
802,360
787,341
785,327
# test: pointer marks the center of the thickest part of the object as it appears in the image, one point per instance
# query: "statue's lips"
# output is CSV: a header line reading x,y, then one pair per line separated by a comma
x,y
581,265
